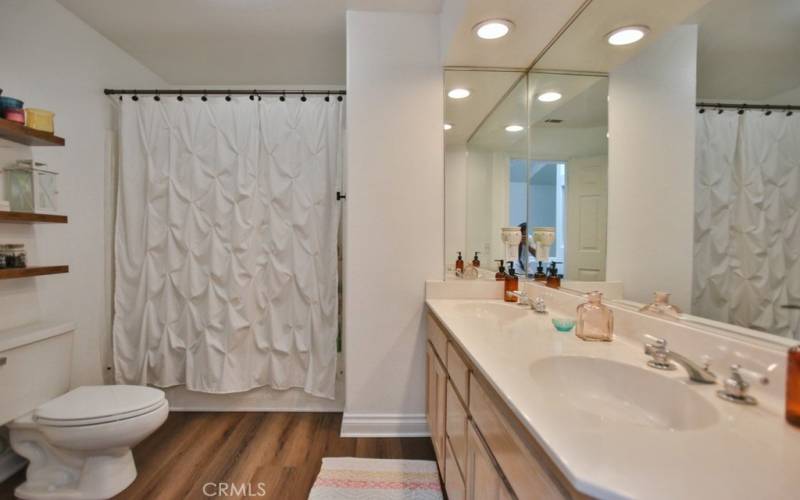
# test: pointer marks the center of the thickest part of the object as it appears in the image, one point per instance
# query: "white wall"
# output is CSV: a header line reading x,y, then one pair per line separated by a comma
x,y
394,216
52,60
651,169
455,199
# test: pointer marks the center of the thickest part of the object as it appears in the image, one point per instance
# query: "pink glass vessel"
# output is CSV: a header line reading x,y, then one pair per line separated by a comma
x,y
595,320
661,306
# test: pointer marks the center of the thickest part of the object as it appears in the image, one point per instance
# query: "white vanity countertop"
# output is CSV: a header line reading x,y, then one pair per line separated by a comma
x,y
738,451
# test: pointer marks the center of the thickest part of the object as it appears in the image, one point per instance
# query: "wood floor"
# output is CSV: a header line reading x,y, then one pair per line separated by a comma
x,y
281,450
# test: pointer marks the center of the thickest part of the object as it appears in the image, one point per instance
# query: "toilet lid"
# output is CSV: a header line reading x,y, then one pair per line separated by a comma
x,y
97,404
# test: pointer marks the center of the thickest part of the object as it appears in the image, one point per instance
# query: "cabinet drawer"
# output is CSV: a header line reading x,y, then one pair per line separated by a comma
x,y
527,474
458,372
453,481
438,338
457,427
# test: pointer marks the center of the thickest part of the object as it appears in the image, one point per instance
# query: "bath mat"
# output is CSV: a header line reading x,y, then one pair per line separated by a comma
x,y
376,479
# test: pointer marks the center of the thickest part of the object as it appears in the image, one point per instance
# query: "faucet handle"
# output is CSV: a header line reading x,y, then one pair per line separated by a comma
x,y
658,352
755,376
735,386
657,341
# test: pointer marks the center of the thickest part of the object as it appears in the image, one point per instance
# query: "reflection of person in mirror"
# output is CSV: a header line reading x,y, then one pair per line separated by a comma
x,y
521,257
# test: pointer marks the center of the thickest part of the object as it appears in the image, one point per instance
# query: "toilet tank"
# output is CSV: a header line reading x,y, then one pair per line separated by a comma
x,y
35,364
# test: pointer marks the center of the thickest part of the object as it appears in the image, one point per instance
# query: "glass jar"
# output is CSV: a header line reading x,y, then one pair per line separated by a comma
x,y
661,306
595,320
13,255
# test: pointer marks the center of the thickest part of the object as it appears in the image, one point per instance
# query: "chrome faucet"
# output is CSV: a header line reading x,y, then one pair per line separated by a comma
x,y
664,359
536,303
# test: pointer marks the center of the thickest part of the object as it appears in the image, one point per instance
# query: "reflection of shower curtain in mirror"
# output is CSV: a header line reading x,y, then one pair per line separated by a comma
x,y
747,224
226,265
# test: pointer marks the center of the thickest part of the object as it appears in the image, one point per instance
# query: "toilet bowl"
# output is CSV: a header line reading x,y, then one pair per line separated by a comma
x,y
79,444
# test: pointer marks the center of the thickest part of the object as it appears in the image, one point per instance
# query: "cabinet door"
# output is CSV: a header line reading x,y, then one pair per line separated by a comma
x,y
436,401
484,481
441,402
430,389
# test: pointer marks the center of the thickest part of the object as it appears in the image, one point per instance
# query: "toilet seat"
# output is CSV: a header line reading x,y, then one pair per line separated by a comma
x,y
92,405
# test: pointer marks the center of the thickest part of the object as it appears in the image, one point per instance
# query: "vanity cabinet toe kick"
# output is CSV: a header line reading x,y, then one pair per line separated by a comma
x,y
482,450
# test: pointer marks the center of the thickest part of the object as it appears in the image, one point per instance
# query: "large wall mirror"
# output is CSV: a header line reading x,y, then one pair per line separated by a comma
x,y
668,164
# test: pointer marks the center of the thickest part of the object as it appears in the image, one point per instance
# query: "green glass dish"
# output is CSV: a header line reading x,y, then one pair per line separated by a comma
x,y
563,324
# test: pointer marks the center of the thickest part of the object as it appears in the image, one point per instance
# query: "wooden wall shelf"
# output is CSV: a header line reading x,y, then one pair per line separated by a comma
x,y
31,218
27,272
16,132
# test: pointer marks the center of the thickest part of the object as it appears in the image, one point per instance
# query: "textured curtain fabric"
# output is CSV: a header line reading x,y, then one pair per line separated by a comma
x,y
226,233
747,225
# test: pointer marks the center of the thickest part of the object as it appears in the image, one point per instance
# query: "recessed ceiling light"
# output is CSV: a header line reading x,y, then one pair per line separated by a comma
x,y
627,35
492,29
549,96
448,126
514,128
458,93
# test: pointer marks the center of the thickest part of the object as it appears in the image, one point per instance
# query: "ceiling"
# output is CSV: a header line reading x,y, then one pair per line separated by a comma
x,y
536,23
583,46
235,42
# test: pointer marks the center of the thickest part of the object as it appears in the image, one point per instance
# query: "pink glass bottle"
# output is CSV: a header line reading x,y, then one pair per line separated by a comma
x,y
661,306
595,320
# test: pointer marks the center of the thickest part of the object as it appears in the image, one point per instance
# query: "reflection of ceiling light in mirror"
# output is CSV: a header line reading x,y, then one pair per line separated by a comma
x,y
493,29
448,126
514,128
627,35
549,97
458,93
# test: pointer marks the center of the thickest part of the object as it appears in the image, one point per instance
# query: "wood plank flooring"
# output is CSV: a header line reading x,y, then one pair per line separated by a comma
x,y
281,450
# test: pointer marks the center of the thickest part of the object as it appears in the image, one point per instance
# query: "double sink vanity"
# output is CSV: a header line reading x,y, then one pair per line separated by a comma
x,y
519,410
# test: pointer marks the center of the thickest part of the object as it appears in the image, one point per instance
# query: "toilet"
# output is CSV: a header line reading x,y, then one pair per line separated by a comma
x,y
79,444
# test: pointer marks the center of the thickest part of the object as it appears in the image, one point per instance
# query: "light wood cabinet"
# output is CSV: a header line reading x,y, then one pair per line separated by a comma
x,y
436,404
484,481
456,427
483,451
454,481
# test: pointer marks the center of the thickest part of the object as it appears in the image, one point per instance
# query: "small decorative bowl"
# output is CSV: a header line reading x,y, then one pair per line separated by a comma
x,y
563,324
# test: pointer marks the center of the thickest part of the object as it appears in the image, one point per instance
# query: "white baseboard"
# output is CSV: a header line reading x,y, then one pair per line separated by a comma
x,y
384,425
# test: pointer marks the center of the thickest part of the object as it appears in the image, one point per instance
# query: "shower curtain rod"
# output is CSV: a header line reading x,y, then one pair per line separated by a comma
x,y
765,107
220,92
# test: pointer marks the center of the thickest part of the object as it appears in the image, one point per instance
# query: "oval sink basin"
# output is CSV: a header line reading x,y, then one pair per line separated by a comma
x,y
600,391
494,310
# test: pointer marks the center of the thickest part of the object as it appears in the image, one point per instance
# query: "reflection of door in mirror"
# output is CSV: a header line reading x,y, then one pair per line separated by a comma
x,y
587,193
545,196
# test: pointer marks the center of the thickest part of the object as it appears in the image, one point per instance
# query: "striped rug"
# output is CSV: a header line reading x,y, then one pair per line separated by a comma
x,y
376,479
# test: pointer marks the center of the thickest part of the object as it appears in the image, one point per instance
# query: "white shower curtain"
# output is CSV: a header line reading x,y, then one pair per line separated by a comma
x,y
747,225
226,232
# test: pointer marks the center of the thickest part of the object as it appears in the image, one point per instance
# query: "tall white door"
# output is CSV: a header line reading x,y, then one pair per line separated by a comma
x,y
587,217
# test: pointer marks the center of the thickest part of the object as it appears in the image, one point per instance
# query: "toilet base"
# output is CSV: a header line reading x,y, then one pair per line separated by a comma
x,y
55,473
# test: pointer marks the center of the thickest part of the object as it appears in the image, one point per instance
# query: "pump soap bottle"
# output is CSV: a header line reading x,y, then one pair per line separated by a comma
x,y
540,275
475,261
512,284
501,271
459,265
793,386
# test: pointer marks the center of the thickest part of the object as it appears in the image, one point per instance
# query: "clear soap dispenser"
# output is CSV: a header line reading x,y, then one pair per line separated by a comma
x,y
595,320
